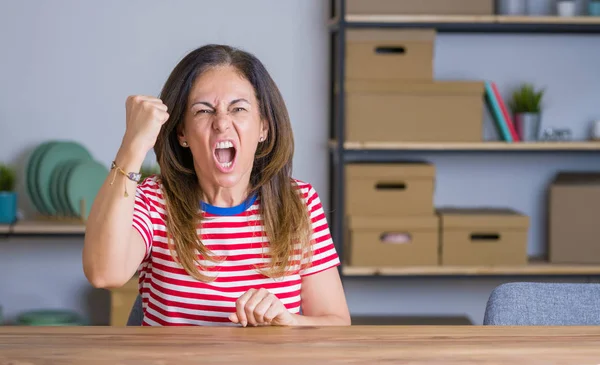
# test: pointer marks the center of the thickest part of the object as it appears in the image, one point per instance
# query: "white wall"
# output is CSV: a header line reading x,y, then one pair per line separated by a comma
x,y
68,65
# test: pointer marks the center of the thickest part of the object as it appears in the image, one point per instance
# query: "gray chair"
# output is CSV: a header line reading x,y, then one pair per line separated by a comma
x,y
136,316
543,304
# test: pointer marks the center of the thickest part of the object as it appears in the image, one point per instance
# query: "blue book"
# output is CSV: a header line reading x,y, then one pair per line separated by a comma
x,y
496,112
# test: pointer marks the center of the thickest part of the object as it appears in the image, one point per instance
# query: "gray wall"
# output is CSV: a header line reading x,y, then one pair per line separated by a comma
x,y
68,66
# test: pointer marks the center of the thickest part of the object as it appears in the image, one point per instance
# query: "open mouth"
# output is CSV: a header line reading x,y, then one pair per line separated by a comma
x,y
225,154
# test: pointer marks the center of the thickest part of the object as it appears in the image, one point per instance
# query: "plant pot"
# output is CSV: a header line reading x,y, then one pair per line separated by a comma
x,y
8,207
540,7
511,7
566,8
528,126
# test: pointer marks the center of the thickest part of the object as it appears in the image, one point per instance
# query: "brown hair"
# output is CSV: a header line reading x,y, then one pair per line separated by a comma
x,y
284,214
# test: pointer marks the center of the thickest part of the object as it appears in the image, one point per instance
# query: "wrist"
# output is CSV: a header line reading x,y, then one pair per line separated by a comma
x,y
130,158
296,320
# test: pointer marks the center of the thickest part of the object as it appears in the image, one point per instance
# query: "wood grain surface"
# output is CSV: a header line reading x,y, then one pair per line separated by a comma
x,y
540,269
422,18
473,146
274,345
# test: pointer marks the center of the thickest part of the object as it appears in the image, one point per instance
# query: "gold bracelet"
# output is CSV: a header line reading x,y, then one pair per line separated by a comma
x,y
133,176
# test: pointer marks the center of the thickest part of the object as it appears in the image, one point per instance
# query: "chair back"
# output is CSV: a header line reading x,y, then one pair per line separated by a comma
x,y
136,316
544,304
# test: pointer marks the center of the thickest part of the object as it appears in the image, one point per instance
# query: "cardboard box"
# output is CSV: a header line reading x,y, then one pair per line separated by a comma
x,y
574,216
122,300
394,189
420,7
389,54
392,241
440,111
483,237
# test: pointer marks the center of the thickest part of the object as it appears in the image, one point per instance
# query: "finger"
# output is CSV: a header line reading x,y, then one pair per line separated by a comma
x,y
153,105
262,307
256,298
156,102
161,116
234,318
274,310
148,101
137,99
240,304
159,104
141,97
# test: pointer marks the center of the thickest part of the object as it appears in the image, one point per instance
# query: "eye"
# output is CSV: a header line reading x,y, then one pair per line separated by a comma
x,y
239,109
202,111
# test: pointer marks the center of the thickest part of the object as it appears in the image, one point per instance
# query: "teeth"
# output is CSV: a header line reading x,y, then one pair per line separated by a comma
x,y
226,165
224,144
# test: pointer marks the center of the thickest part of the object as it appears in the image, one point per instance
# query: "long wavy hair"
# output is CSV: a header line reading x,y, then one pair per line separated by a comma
x,y
284,215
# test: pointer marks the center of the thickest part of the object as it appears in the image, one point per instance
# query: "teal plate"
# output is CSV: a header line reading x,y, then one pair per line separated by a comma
x,y
49,317
57,182
62,187
83,183
56,154
31,172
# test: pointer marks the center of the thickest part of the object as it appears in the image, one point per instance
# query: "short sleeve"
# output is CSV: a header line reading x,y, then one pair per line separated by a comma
x,y
324,254
142,221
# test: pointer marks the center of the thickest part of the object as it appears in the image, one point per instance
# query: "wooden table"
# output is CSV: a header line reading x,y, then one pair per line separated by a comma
x,y
305,346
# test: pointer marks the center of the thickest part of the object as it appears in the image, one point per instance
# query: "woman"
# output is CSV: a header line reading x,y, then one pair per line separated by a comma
x,y
247,244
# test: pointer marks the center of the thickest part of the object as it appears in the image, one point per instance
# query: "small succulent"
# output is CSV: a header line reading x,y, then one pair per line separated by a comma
x,y
8,178
526,99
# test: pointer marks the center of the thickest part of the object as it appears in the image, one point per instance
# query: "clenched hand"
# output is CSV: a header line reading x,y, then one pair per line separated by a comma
x,y
145,116
261,308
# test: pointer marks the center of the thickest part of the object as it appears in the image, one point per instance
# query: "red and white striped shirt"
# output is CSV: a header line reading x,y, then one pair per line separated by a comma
x,y
172,297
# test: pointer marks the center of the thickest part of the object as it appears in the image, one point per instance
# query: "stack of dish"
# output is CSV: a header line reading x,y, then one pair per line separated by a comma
x,y
63,179
49,317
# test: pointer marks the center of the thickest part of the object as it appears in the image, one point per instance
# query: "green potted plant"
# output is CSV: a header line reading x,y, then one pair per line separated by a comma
x,y
8,195
526,106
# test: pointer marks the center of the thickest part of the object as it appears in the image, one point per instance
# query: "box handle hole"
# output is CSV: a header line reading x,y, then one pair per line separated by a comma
x,y
390,186
395,237
485,237
393,50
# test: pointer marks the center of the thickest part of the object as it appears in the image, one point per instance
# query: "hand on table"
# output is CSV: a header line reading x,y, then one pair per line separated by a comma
x,y
261,308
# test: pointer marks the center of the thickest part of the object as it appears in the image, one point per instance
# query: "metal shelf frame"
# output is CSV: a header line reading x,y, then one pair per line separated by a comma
x,y
339,22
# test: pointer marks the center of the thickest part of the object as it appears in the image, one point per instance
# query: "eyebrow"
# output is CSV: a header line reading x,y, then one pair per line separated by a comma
x,y
212,106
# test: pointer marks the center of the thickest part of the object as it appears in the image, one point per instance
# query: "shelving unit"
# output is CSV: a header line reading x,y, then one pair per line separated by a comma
x,y
481,146
472,24
42,227
343,151
532,269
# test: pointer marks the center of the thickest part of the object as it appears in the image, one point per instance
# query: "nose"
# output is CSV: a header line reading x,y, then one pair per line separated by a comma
x,y
222,122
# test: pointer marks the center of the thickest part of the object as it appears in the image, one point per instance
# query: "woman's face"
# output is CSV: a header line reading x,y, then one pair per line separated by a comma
x,y
223,127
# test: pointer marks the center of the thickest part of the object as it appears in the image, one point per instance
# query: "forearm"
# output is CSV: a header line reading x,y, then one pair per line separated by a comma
x,y
107,247
324,320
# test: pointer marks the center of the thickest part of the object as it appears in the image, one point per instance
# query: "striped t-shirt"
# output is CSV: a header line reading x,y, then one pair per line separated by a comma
x,y
172,297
